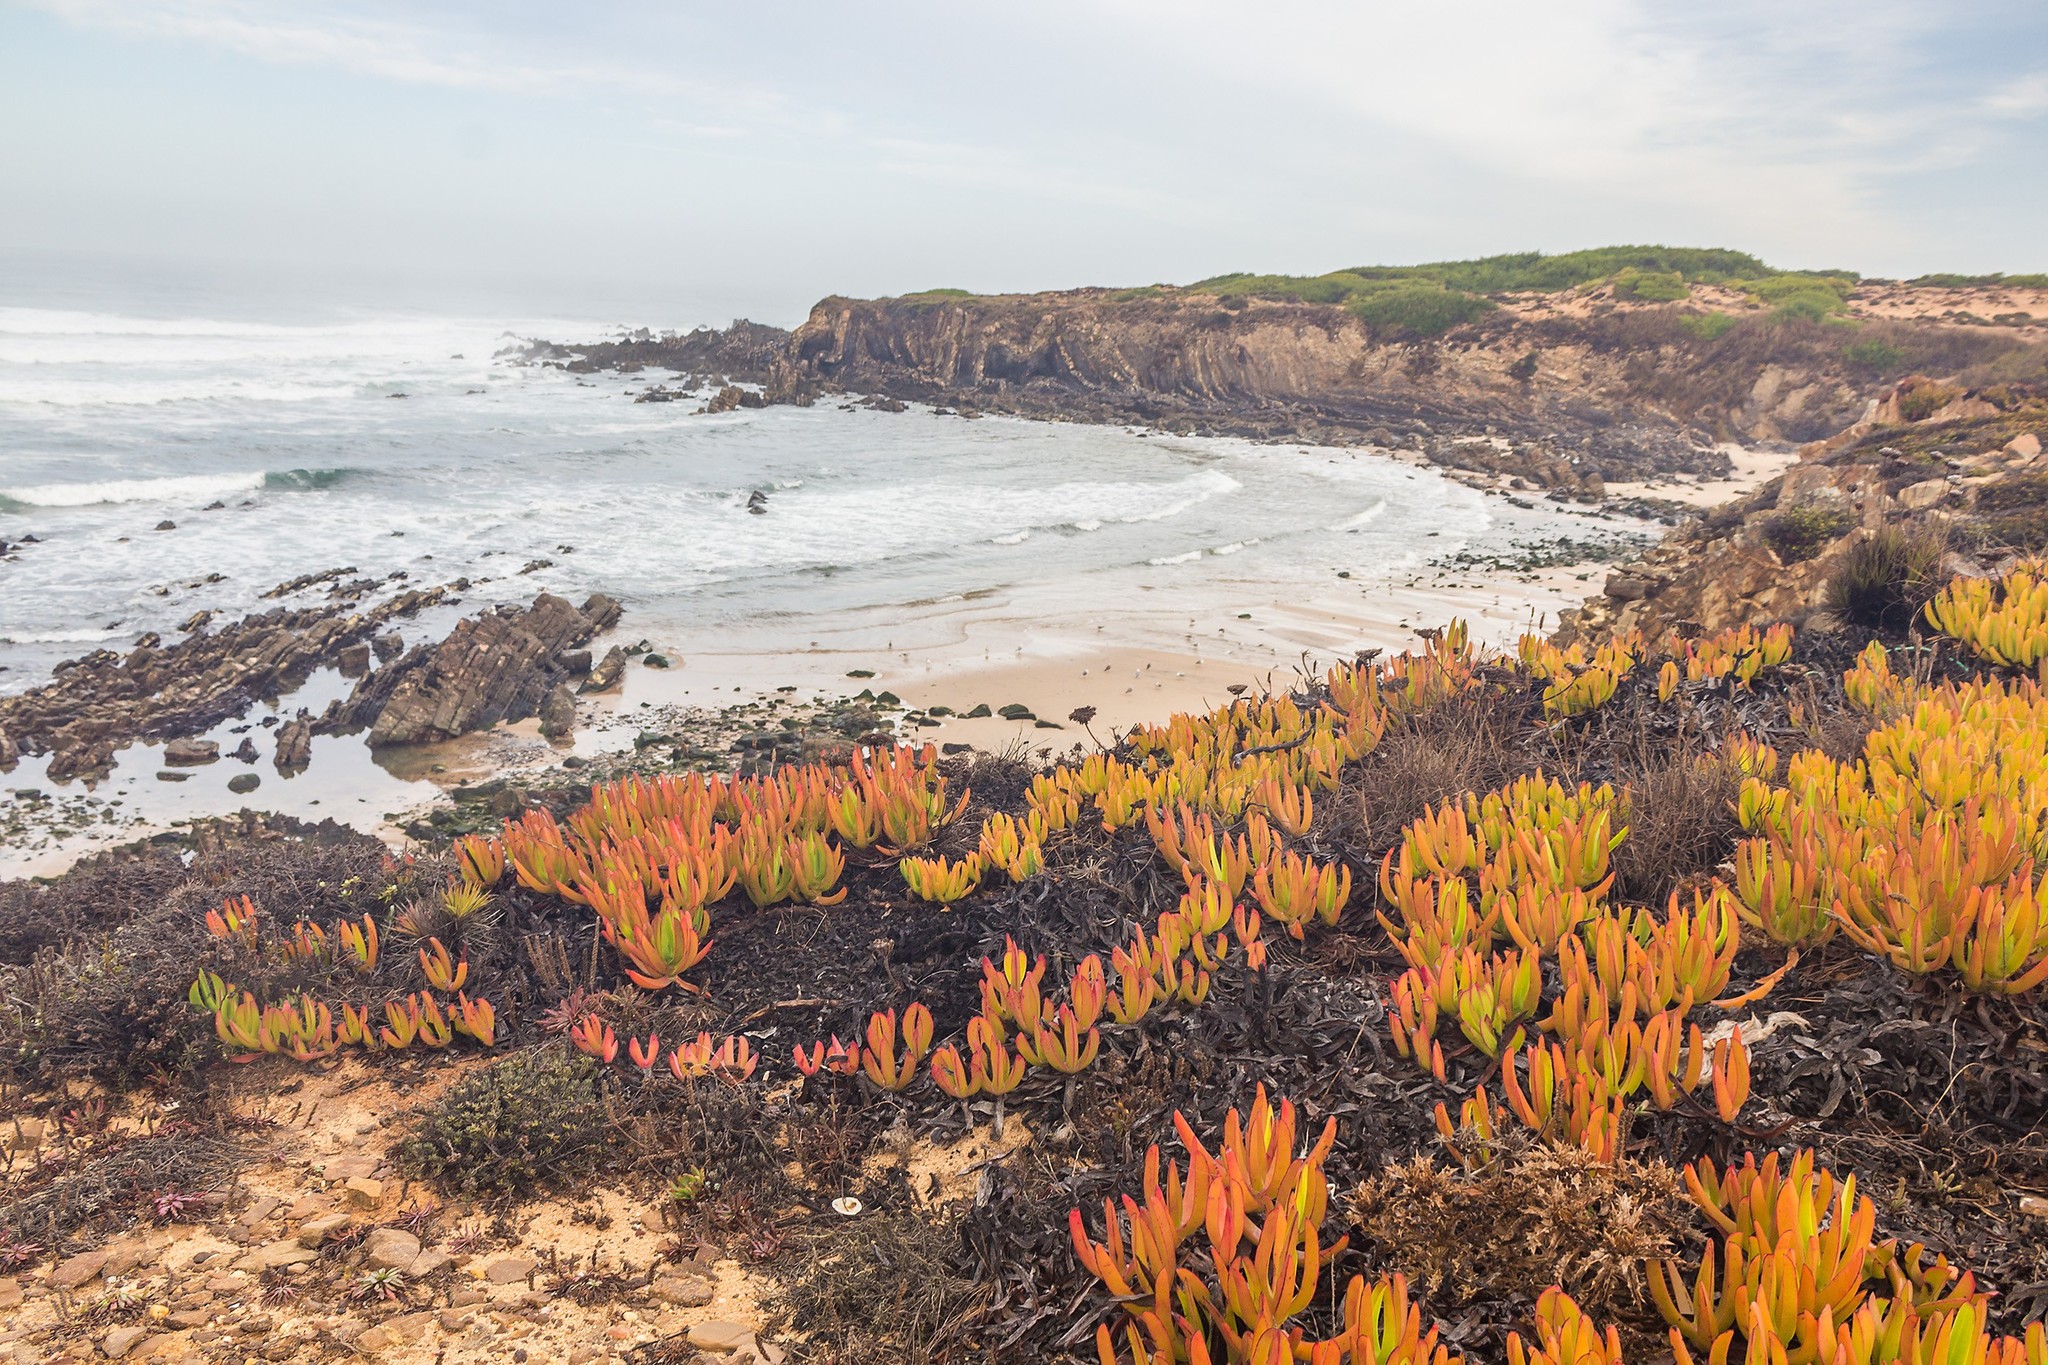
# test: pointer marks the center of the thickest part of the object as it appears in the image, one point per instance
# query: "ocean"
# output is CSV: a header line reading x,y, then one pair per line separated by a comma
x,y
417,445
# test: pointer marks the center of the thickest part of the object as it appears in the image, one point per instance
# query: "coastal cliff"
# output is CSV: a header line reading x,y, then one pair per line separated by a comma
x,y
1572,386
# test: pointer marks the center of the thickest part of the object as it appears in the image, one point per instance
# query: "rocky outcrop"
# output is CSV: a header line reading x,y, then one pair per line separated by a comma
x,y
746,351
496,667
1967,474
107,699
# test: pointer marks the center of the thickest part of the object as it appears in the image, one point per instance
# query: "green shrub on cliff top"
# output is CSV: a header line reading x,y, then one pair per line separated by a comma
x,y
927,298
1651,286
1417,310
1947,281
1708,326
1647,272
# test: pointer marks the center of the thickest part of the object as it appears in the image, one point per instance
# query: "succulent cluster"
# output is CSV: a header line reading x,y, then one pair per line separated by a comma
x,y
1578,683
1924,851
1215,1265
2005,619
305,1027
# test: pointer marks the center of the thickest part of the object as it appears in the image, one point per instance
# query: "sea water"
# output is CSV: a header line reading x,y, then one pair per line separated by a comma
x,y
405,444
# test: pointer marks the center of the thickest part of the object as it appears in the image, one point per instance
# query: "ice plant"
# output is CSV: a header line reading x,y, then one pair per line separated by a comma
x,y
731,1059
1295,889
1565,1336
593,1037
658,948
474,1019
361,942
234,919
481,858
942,880
879,1058
814,869
1256,1207
440,971
644,1055
2005,620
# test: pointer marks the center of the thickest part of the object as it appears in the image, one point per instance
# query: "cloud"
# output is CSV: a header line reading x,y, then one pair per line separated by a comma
x,y
1199,130
395,47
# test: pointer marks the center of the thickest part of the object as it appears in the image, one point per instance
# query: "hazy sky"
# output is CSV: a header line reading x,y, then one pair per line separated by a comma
x,y
750,158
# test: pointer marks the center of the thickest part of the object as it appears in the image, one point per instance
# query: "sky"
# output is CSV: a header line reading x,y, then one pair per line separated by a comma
x,y
662,159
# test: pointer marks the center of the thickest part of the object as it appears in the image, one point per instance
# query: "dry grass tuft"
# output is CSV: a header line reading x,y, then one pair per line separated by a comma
x,y
1681,823
881,1287
1538,1215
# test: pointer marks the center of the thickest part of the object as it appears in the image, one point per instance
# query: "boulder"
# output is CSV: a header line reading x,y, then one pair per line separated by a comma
x,y
1924,494
354,660
77,1270
684,1291
191,753
609,670
558,712
122,1340
510,1270
392,1249
241,784
1627,587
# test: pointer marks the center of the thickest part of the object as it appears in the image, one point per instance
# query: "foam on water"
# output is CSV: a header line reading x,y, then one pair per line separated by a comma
x,y
175,488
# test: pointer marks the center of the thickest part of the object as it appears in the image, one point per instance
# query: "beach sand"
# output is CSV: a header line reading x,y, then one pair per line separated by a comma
x,y
1183,663
1752,468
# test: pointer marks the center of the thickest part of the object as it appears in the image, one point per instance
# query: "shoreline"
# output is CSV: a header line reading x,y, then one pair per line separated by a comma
x,y
1122,655
705,700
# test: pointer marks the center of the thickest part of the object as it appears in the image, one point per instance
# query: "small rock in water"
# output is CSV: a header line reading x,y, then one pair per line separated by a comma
x,y
166,775
167,525
656,661
294,744
241,784
191,753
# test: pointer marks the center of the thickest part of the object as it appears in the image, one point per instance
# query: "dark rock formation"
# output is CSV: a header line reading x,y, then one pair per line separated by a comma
x,y
159,691
491,668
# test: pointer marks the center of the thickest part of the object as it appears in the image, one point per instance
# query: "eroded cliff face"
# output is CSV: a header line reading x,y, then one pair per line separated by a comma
x,y
1601,386
1299,371
1619,389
